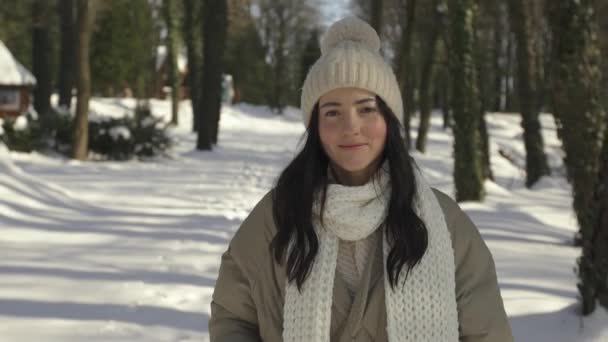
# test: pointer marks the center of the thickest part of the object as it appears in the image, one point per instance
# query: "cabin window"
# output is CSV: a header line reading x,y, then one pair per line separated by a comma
x,y
9,99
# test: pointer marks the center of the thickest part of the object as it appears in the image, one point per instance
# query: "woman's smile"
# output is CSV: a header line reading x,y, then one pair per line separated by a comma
x,y
351,147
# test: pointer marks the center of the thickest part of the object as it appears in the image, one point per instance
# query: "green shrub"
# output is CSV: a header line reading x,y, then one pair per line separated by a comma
x,y
141,135
23,133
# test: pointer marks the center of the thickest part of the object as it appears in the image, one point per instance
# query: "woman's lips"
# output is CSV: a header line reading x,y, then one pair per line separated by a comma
x,y
351,146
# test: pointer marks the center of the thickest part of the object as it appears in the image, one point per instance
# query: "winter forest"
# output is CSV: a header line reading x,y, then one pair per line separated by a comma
x,y
137,135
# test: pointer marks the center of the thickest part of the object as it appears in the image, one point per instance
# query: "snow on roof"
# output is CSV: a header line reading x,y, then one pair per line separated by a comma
x,y
161,54
11,71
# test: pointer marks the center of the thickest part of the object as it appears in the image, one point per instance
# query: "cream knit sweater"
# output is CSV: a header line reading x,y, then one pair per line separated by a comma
x,y
352,258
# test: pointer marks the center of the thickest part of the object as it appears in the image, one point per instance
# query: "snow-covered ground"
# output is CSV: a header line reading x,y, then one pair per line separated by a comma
x,y
129,251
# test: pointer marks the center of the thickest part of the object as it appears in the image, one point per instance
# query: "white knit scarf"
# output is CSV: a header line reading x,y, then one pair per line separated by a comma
x,y
421,308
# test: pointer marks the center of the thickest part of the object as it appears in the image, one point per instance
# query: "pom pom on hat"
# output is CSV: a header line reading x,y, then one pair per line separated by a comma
x,y
352,29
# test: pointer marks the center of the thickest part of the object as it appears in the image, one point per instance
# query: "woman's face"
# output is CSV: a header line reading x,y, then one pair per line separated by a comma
x,y
353,133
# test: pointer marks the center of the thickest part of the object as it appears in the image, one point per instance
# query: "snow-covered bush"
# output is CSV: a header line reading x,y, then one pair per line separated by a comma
x,y
128,137
61,130
149,134
22,133
139,135
111,138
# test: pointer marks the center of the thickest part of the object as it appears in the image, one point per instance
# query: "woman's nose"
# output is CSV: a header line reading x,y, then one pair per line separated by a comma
x,y
351,122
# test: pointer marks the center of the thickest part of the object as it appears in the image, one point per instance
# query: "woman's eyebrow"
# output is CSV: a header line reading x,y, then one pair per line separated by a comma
x,y
369,99
328,104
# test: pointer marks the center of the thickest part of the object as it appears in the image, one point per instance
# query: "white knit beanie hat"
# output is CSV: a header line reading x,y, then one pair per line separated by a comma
x,y
350,57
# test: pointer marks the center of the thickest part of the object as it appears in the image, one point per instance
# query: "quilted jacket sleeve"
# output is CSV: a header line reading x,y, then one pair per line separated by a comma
x,y
234,315
481,312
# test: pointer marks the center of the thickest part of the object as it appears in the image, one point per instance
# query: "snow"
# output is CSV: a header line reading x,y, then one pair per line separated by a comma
x,y
13,73
20,123
148,121
161,55
119,132
129,251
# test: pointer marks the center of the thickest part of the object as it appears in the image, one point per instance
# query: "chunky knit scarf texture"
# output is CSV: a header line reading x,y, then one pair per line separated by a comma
x,y
420,308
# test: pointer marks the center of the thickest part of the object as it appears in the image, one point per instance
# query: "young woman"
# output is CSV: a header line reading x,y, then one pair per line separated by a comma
x,y
352,244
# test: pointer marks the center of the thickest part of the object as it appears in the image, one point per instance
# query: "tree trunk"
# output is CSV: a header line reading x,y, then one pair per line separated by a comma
x,y
576,101
311,53
403,70
170,12
600,239
443,80
429,43
484,141
480,41
193,50
601,235
468,176
536,161
66,64
280,64
602,13
498,54
86,17
508,75
376,15
215,24
41,56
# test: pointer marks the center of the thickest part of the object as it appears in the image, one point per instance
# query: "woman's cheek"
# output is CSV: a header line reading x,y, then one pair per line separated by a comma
x,y
376,128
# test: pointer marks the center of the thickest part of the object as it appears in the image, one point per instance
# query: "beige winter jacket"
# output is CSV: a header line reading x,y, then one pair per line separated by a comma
x,y
248,298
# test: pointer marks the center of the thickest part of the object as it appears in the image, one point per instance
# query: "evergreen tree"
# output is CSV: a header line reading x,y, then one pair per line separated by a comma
x,y
245,56
283,27
16,29
246,62
468,173
312,52
123,43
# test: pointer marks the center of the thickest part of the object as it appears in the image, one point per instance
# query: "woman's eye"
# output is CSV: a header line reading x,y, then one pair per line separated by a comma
x,y
331,113
368,109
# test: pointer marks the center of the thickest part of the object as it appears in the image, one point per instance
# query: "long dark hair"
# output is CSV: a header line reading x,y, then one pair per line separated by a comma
x,y
306,177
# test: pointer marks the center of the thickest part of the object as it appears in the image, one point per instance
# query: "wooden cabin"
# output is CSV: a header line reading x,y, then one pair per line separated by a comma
x,y
16,84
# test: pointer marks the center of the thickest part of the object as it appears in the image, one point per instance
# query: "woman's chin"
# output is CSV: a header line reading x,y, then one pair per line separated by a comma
x,y
354,167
